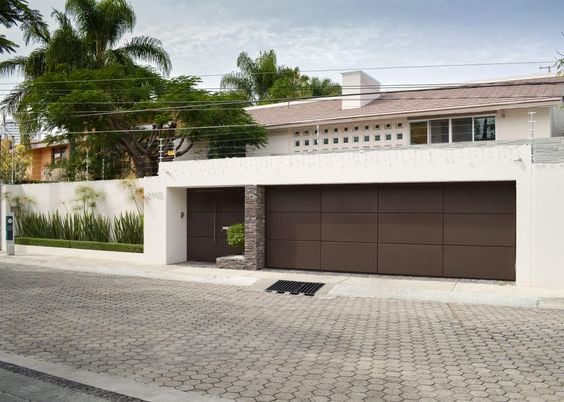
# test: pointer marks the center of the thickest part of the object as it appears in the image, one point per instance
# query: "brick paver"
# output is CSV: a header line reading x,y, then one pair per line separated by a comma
x,y
243,344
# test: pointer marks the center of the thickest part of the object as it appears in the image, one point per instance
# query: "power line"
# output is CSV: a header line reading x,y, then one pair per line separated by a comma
x,y
391,67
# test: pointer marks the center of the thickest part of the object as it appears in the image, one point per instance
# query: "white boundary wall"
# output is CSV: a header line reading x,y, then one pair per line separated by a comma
x,y
538,266
51,197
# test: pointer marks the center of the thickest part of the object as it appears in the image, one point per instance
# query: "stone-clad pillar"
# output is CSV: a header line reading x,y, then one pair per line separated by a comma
x,y
254,227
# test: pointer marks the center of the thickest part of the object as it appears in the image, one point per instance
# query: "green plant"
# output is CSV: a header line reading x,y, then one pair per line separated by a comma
x,y
236,236
87,198
128,228
89,245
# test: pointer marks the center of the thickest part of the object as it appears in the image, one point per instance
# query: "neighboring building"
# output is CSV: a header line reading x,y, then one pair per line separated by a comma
x,y
43,156
445,182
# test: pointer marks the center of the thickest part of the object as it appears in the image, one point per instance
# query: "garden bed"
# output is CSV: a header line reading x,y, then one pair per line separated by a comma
x,y
85,245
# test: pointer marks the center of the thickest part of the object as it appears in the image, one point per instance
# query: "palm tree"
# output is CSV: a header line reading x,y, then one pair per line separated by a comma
x,y
86,36
14,12
324,87
255,77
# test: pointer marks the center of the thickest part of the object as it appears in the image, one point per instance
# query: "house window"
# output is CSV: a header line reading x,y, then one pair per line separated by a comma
x,y
399,136
315,132
439,131
366,138
484,128
418,132
315,141
297,143
461,129
335,130
335,140
388,137
306,143
326,130
58,154
377,127
355,128
346,140
376,138
325,141
355,139
297,133
399,125
367,127
388,126
306,132
346,129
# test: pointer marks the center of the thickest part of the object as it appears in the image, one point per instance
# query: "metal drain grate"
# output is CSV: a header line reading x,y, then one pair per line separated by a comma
x,y
294,288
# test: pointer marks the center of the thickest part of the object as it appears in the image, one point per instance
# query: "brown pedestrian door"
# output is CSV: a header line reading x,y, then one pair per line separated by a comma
x,y
208,212
460,230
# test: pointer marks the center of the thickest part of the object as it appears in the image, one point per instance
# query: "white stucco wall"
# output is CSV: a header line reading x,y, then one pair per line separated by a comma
x,y
500,163
547,226
515,125
117,197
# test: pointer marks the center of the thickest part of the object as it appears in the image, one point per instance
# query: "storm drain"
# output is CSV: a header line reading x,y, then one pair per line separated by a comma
x,y
295,288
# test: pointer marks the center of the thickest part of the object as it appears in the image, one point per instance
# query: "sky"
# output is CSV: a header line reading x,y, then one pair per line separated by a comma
x,y
206,36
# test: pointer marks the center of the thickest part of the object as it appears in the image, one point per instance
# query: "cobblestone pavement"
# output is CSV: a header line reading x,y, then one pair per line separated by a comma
x,y
243,344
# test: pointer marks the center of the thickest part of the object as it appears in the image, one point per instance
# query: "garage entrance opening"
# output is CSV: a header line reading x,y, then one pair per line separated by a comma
x,y
457,230
209,211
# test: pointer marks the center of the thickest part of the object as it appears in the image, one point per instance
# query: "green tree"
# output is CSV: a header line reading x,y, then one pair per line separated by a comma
x,y
85,37
324,87
127,117
14,160
263,80
255,77
14,12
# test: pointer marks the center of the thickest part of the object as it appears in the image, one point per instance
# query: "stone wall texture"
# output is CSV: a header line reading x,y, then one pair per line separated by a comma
x,y
254,227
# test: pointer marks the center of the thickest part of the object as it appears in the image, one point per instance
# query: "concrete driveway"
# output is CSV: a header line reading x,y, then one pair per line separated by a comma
x,y
240,343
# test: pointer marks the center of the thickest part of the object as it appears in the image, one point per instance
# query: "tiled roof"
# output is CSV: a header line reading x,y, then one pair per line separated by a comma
x,y
416,101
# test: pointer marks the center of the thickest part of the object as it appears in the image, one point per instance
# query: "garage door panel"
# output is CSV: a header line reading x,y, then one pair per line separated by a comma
x,y
204,249
349,227
411,198
349,198
293,254
349,257
293,226
293,199
480,229
410,259
490,197
480,262
411,228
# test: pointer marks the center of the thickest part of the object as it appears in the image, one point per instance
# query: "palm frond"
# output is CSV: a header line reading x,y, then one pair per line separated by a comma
x,y
6,45
119,18
150,50
11,102
13,66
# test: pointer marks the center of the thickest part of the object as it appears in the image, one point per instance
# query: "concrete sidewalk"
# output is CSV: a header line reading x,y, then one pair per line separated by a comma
x,y
349,285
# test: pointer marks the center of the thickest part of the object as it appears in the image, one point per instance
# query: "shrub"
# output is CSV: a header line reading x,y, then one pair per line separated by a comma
x,y
88,245
236,236
128,228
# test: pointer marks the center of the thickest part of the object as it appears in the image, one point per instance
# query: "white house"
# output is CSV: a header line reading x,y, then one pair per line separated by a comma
x,y
459,181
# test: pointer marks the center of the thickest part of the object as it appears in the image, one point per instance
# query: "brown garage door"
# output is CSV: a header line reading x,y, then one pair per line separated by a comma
x,y
208,211
464,230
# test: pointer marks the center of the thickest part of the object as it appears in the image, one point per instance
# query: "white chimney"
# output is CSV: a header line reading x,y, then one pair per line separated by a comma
x,y
360,88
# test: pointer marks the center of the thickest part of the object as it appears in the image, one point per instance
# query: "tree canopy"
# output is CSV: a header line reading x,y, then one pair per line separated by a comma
x,y
262,80
116,110
14,12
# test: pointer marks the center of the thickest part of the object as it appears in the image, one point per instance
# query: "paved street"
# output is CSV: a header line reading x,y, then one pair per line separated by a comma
x,y
238,343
